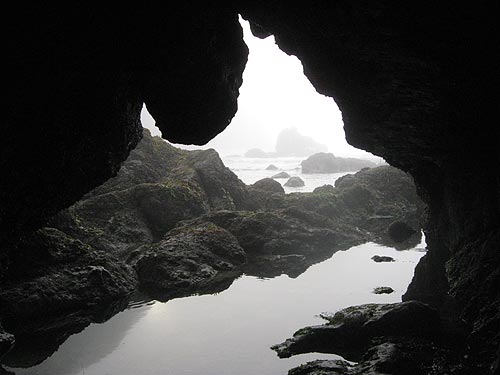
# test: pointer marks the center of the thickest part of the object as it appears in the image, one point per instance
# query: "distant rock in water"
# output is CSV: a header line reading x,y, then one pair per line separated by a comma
x,y
271,167
295,182
281,175
269,185
380,259
291,143
383,290
400,231
258,153
328,163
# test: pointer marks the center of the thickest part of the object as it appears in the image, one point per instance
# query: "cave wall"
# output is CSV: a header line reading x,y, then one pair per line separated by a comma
x,y
411,82
410,79
76,80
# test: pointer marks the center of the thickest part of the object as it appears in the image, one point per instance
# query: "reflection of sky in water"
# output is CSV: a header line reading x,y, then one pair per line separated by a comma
x,y
231,332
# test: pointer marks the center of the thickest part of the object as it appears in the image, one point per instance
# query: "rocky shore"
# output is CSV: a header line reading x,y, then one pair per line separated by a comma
x,y
400,338
172,223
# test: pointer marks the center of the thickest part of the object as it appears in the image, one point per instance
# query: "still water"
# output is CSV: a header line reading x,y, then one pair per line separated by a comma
x,y
231,332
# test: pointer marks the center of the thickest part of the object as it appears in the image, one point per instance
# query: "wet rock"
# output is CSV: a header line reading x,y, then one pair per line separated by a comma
x,y
295,182
223,189
383,258
268,185
367,200
330,367
189,259
323,162
61,285
282,232
325,189
383,290
271,167
57,274
158,186
351,331
400,231
281,175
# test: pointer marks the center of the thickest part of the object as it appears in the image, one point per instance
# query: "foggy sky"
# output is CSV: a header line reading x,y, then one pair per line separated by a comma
x,y
275,95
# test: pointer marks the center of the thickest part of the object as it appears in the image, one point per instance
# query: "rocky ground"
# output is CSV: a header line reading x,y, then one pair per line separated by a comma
x,y
400,338
173,223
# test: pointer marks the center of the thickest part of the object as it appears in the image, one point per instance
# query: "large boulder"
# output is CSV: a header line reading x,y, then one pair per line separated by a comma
x,y
61,278
158,186
295,182
281,175
369,199
156,161
268,185
351,331
328,163
191,258
283,231
124,220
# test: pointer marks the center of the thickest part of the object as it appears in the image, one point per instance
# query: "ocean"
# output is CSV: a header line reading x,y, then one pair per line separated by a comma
x,y
250,170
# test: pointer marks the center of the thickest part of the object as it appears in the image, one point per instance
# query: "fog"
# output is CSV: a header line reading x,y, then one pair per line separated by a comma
x,y
276,95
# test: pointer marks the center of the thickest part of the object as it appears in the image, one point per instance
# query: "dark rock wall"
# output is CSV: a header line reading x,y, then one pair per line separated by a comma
x,y
76,79
411,80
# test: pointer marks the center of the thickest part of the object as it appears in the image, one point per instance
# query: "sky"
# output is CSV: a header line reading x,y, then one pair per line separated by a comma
x,y
275,95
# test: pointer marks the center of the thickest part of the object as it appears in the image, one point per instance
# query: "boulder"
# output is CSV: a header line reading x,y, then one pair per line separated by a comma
x,y
271,167
328,189
281,175
295,182
351,331
278,232
55,274
323,162
379,259
323,367
155,161
268,185
383,290
190,258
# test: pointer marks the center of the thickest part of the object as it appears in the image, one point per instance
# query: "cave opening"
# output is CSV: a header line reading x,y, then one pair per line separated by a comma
x,y
276,96
258,263
411,84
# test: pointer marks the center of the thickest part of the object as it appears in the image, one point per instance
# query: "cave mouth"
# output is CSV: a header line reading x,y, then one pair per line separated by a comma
x,y
397,72
219,222
276,96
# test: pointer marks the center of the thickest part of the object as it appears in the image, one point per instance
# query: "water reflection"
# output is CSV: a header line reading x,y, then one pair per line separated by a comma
x,y
231,332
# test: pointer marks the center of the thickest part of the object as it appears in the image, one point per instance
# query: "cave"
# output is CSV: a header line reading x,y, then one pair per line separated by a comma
x,y
413,83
